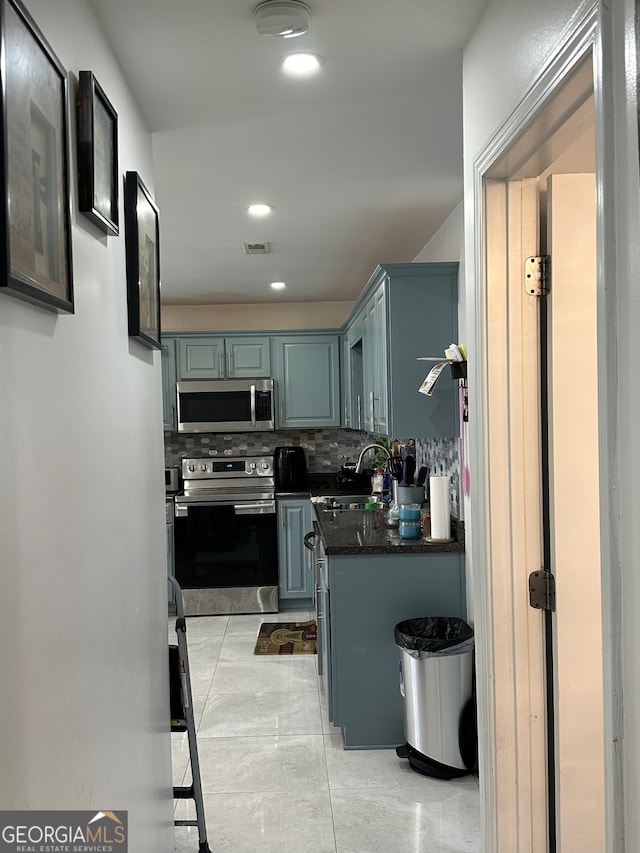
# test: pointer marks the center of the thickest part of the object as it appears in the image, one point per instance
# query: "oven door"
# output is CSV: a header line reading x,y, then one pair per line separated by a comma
x,y
226,556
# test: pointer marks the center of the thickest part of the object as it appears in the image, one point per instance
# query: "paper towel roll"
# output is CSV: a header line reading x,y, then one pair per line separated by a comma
x,y
439,507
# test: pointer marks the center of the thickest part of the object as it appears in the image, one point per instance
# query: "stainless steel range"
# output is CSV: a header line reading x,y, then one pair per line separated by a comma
x,y
225,536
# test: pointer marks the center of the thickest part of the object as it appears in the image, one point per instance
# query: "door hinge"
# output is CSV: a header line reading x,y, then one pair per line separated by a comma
x,y
537,275
542,591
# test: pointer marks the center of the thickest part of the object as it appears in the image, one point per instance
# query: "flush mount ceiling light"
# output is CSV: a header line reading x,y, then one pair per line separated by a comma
x,y
259,209
278,285
284,18
301,63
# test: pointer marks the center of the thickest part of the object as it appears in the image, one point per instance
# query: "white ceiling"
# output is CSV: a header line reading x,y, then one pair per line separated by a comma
x,y
362,162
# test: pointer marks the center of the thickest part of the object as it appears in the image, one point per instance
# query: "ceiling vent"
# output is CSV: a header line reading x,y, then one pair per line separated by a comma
x,y
285,18
257,248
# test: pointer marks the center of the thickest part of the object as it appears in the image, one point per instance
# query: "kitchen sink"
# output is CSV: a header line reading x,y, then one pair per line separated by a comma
x,y
341,502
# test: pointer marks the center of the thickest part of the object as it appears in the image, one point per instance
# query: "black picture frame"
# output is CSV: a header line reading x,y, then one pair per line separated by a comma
x,y
142,250
98,180
35,212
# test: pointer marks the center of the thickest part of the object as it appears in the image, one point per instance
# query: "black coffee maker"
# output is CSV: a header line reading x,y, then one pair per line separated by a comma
x,y
290,469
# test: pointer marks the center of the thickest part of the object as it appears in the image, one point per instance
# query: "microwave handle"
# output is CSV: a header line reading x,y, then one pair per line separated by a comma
x,y
252,389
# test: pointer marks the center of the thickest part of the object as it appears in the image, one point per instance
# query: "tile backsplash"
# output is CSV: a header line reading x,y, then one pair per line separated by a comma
x,y
325,449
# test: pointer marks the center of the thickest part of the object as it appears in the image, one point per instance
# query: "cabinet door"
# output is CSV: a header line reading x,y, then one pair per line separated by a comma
x,y
210,357
168,359
308,375
201,358
374,402
324,630
356,373
248,357
422,317
346,382
295,519
378,391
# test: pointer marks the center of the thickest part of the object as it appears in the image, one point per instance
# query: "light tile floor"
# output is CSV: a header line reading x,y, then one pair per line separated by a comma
x,y
274,774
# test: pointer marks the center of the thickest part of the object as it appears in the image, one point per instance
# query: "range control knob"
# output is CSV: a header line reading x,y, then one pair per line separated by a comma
x,y
264,465
203,467
252,466
192,467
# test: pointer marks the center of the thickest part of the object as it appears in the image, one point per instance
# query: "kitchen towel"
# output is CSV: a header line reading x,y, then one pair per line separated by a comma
x,y
439,507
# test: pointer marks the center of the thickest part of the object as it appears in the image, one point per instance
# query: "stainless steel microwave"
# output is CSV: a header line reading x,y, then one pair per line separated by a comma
x,y
225,405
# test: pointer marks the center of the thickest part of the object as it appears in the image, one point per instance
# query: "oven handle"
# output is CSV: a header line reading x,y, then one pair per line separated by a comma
x,y
257,508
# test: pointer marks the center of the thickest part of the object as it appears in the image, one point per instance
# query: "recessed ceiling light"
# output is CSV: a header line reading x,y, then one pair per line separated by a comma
x,y
278,285
301,63
259,209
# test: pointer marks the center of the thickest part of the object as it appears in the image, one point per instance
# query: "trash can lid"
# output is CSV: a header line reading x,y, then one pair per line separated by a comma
x,y
432,633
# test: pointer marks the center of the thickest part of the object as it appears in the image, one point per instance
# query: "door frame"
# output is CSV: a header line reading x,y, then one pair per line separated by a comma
x,y
509,803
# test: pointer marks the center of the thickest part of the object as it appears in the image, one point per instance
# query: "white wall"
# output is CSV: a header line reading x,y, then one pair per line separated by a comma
x,y
447,244
503,59
276,315
83,625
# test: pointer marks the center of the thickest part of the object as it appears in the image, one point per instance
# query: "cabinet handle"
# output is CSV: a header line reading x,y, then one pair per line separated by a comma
x,y
359,412
371,410
229,372
220,365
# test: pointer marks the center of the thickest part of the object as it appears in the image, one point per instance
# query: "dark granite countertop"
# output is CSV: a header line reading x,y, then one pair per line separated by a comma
x,y
324,484
367,532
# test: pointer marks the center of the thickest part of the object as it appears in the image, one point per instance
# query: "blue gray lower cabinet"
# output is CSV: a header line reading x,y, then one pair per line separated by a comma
x,y
367,597
295,519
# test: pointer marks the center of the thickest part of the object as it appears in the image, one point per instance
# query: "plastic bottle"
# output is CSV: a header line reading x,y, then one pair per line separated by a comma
x,y
377,482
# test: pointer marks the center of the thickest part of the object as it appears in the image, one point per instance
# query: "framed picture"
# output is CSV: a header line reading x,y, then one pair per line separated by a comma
x,y
97,155
35,217
142,239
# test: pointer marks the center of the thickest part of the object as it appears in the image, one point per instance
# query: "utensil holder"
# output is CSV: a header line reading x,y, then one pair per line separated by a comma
x,y
410,494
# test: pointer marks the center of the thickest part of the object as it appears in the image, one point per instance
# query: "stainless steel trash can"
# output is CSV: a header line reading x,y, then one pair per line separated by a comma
x,y
437,686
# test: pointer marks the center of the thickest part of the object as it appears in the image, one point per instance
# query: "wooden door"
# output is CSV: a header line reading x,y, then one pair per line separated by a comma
x,y
573,543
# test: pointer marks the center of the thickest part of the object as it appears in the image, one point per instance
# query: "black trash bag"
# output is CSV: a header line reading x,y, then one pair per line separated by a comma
x,y
432,636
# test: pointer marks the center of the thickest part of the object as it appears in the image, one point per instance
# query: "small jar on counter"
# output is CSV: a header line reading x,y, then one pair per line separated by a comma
x,y
410,512
409,529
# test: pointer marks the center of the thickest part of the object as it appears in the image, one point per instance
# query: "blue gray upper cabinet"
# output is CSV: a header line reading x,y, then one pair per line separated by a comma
x,y
405,312
308,377
209,357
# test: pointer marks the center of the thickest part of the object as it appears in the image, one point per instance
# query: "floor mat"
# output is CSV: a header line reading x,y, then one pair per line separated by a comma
x,y
287,638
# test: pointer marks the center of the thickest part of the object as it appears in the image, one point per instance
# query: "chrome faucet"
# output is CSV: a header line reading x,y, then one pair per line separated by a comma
x,y
364,450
